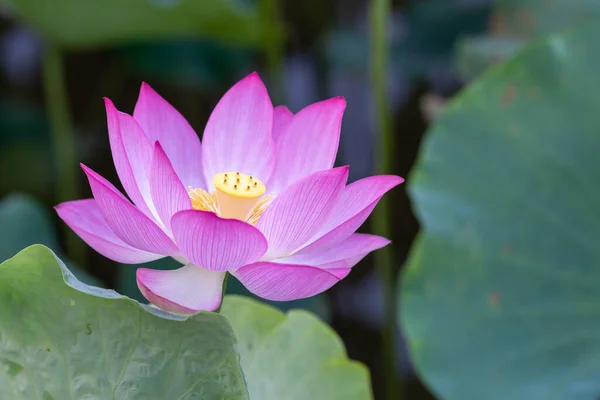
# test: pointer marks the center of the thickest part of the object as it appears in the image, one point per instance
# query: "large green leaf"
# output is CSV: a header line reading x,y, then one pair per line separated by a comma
x,y
516,22
73,341
77,23
292,356
534,18
501,299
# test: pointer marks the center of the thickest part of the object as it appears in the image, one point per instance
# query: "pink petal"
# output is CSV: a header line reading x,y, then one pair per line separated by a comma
x,y
357,244
86,220
237,136
282,117
139,151
354,206
283,282
185,290
168,194
126,221
309,143
163,123
216,243
300,211
134,180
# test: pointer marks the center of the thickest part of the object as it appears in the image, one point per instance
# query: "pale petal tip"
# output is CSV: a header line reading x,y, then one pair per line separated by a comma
x,y
145,86
144,277
381,243
252,79
85,168
253,74
343,172
339,101
111,109
396,180
283,109
148,93
388,181
62,208
157,300
377,242
89,173
334,105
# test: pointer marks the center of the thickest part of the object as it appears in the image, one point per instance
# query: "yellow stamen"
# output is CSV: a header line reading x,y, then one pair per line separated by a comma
x,y
258,210
203,201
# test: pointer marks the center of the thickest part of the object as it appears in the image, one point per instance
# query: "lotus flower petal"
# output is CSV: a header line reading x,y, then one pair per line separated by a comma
x,y
300,211
354,206
86,220
357,244
126,221
132,154
185,290
168,194
282,117
309,143
216,243
163,123
238,136
284,282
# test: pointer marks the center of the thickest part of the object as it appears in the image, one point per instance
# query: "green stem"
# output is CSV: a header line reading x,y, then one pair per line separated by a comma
x,y
63,140
379,14
270,15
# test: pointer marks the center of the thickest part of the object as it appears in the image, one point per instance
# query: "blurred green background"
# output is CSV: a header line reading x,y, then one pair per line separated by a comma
x,y
59,58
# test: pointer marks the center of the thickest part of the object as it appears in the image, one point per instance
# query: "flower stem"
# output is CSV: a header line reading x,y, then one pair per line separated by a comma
x,y
63,140
384,259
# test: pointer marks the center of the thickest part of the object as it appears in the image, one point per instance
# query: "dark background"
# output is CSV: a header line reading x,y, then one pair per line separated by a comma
x,y
325,53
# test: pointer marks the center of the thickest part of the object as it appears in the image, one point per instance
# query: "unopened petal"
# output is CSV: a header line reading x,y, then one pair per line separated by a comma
x,y
309,143
284,282
86,220
168,193
238,136
163,123
216,243
298,213
126,221
185,290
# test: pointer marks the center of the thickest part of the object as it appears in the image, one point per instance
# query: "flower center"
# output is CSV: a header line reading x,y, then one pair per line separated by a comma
x,y
236,196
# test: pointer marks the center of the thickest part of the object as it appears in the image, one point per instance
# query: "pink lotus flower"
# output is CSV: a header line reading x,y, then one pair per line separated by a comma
x,y
258,198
